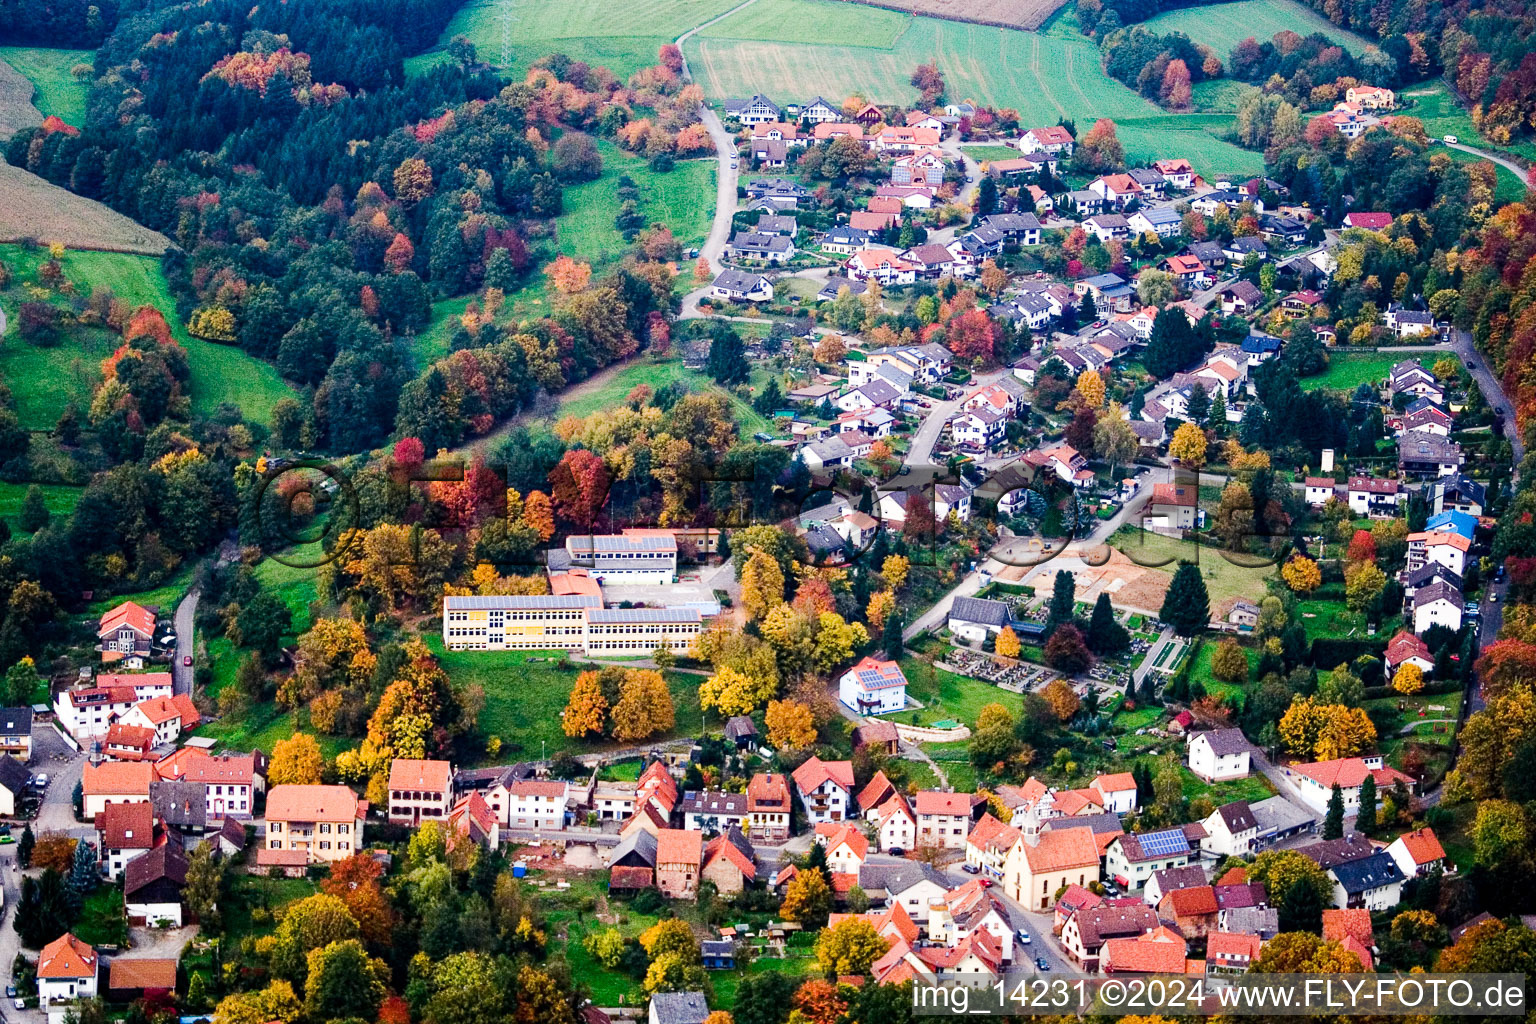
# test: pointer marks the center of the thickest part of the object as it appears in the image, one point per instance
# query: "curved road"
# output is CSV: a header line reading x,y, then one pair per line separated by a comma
x,y
1504,162
725,147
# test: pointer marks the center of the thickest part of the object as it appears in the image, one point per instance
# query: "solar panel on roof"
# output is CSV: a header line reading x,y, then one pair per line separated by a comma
x,y
1163,844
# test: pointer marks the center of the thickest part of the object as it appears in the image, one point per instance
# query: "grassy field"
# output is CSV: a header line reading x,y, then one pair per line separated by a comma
x,y
58,92
955,759
683,199
798,48
1201,672
1330,618
164,597
623,39
525,693
1433,104
989,153
1223,26
948,696
1348,370
1220,94
1157,138
1254,787
1223,580
45,380
59,498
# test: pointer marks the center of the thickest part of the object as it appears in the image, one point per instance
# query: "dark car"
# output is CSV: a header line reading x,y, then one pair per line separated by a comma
x,y
187,660
1041,963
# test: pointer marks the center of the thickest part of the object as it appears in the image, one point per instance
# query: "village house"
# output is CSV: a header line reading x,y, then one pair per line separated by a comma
x,y
1405,648
758,109
1219,755
729,862
1314,782
768,804
1192,911
1117,792
1241,298
987,846
1116,189
974,618
114,782
883,265
533,803
1370,496
153,885
125,832
1172,507
923,167
826,789
873,687
1176,171
1351,929
1447,548
1419,853
1438,604
1033,871
965,911
1319,489
326,822
943,819
1371,97
16,733
419,790
1426,455
679,853
756,245
1055,140
126,631
1368,221
229,781
1107,226
894,822
1230,830
1192,274
1086,932
740,286
1409,323
88,712
1170,879
1410,377
1373,882
846,844
1231,952
67,971
844,240
1130,859
713,811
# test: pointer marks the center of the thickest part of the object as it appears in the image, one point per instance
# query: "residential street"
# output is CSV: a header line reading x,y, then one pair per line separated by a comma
x,y
185,626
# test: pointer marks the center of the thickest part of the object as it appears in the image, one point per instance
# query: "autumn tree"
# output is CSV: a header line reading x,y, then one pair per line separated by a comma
x,y
895,568
1063,700
791,726
849,947
1091,386
644,707
732,692
762,585
586,712
1325,732
1176,91
1008,642
1408,679
569,276
355,881
1362,547
1301,574
296,761
1230,662
1188,445
807,898
1362,582
1100,149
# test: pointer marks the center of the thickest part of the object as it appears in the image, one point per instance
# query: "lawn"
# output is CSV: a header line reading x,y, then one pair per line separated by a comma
x,y
59,93
947,696
656,375
683,199
249,892
623,39
1255,787
1348,370
989,153
1201,672
59,498
526,692
1508,188
45,380
955,759
1220,94
1326,617
1223,580
1223,26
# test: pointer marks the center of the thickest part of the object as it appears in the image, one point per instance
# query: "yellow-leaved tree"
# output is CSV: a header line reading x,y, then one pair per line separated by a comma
x,y
762,584
790,724
1408,679
732,692
1091,386
587,710
1301,574
1188,445
1008,642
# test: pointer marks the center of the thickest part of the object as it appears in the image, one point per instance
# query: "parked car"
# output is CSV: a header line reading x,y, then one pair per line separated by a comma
x,y
1024,937
970,869
10,991
1451,140
187,660
897,851
1041,963
40,780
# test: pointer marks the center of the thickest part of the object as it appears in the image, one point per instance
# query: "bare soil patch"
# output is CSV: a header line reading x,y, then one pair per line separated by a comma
x,y
31,207
16,108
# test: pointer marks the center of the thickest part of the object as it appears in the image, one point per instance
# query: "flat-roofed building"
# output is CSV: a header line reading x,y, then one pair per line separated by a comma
x,y
517,622
611,630
626,558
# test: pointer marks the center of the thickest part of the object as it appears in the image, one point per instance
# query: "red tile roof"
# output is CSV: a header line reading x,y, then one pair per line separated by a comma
x,y
127,826
127,614
1337,924
117,778
1190,902
814,772
1232,948
1422,846
932,802
1348,772
679,846
314,803
1142,956
67,957
844,833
